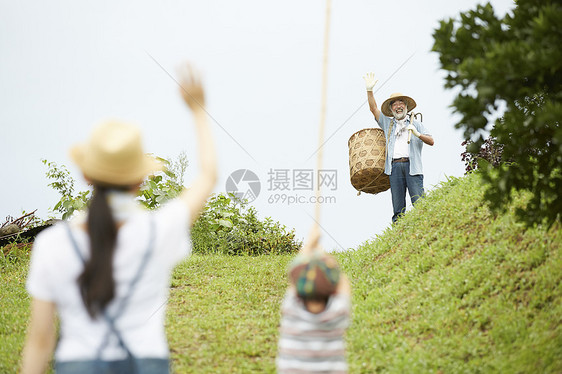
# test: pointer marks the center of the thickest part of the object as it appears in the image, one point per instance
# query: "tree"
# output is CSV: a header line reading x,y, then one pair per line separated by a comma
x,y
509,75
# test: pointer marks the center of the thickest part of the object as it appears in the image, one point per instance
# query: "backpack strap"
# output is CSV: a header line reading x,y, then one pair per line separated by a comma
x,y
121,303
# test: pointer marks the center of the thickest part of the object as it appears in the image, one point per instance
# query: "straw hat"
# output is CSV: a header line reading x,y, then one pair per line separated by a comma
x,y
385,107
113,154
315,276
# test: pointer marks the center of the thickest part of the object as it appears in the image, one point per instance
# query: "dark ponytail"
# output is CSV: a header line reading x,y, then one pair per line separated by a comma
x,y
97,284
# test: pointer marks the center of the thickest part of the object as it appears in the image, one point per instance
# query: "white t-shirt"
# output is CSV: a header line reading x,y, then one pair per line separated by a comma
x,y
401,147
55,268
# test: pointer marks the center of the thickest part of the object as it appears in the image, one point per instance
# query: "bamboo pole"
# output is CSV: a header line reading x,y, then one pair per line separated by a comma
x,y
323,104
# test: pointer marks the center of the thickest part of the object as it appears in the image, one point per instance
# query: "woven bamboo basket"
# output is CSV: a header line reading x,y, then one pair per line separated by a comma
x,y
367,153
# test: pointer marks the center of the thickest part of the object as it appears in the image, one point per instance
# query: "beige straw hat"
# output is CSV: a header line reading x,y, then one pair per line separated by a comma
x,y
385,107
113,155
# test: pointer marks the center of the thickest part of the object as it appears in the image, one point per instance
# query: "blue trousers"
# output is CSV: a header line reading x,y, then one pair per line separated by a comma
x,y
127,366
400,180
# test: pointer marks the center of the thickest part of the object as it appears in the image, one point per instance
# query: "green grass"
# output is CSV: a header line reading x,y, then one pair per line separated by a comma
x,y
451,288
223,314
14,308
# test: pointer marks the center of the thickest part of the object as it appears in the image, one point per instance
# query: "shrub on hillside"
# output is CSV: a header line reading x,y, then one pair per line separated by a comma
x,y
490,151
230,226
155,190
227,225
162,186
63,183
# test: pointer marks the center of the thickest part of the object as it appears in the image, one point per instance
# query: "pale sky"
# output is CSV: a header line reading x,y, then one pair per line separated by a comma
x,y
66,65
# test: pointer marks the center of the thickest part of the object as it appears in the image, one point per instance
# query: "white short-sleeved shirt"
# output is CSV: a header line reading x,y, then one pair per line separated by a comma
x,y
55,268
414,148
401,147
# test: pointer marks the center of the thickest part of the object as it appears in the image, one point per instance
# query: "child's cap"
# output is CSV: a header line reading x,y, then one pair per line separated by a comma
x,y
315,276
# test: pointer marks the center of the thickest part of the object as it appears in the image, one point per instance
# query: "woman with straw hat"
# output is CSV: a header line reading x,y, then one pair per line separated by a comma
x,y
106,275
403,156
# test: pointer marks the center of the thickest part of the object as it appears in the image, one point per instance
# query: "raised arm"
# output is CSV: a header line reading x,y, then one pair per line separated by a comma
x,y
193,94
312,243
370,82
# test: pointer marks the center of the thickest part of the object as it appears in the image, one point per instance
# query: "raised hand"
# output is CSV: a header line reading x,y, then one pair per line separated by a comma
x,y
191,88
370,81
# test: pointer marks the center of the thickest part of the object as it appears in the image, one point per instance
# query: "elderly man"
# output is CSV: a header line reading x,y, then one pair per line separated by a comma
x,y
403,161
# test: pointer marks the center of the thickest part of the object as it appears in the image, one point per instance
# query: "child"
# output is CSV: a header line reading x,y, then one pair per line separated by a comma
x,y
315,314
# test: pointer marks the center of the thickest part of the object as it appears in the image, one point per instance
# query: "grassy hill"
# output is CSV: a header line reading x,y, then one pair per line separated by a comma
x,y
451,288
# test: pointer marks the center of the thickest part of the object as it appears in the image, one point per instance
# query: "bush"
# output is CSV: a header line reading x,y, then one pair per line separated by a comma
x,y
227,224
63,183
230,226
163,186
154,191
490,151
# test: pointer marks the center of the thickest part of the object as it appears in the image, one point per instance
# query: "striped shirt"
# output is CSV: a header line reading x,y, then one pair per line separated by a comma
x,y
313,342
